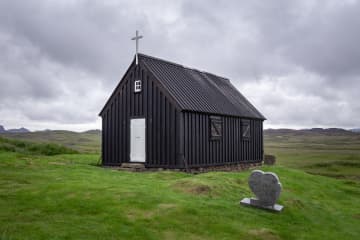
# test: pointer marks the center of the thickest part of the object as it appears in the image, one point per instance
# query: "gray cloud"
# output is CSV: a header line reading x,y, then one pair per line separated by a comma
x,y
297,61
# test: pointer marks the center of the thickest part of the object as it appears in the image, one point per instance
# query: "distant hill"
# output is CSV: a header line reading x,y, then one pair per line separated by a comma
x,y
357,130
88,141
95,131
312,131
15,130
18,130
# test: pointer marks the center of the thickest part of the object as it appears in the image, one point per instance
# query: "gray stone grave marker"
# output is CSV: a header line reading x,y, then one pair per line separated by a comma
x,y
266,187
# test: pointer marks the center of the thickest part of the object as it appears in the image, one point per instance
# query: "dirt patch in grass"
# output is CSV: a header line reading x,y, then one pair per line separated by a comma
x,y
263,233
173,235
140,214
240,181
132,215
57,163
165,206
193,188
296,203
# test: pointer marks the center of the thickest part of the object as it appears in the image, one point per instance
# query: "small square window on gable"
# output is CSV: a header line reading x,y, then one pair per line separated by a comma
x,y
215,127
137,86
245,129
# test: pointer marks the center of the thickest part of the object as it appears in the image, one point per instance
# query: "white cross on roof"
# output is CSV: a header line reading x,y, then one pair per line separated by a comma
x,y
136,38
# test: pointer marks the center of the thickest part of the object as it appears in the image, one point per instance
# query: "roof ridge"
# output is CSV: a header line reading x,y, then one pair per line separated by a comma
x,y
180,65
160,59
222,78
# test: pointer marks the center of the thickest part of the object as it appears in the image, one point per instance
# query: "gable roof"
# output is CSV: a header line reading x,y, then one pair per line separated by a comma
x,y
200,91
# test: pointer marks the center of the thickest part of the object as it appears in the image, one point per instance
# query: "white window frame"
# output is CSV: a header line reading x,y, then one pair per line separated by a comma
x,y
137,86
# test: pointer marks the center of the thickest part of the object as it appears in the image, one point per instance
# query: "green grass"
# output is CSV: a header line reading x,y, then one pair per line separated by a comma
x,y
87,142
49,149
67,196
334,156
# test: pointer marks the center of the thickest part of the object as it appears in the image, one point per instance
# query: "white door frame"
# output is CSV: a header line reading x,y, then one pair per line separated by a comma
x,y
137,140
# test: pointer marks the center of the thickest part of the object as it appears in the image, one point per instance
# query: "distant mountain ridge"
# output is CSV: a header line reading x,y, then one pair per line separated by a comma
x,y
25,130
15,130
311,131
357,130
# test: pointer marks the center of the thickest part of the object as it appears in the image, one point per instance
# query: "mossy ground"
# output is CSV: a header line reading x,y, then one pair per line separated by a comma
x,y
67,196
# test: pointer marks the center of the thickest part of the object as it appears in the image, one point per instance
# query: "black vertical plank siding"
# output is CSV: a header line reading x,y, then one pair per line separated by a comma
x,y
163,130
193,139
123,128
196,132
158,127
150,138
231,139
112,133
202,137
116,143
169,133
175,152
206,143
104,137
236,134
180,145
185,139
200,150
168,123
230,144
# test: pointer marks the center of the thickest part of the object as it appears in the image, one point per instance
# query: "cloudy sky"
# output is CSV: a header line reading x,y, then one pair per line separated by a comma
x,y
298,62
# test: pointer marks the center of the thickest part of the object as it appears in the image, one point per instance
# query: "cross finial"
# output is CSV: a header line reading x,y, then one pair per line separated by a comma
x,y
136,38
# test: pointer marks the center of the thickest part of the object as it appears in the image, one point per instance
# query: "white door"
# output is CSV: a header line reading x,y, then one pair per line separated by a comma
x,y
137,140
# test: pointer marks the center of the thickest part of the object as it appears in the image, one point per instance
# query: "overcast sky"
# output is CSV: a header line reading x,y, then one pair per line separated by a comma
x,y
298,62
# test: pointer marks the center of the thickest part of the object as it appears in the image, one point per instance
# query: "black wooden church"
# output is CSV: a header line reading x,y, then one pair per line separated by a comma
x,y
166,115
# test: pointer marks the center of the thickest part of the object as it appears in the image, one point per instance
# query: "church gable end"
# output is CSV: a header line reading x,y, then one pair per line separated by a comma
x,y
151,102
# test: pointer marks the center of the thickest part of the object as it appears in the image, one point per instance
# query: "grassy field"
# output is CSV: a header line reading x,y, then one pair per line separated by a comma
x,y
329,154
48,195
84,142
69,197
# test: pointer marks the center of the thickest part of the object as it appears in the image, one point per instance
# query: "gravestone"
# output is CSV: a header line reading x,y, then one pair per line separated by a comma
x,y
266,187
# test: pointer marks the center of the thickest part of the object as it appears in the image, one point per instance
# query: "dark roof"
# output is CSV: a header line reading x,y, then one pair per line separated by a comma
x,y
200,91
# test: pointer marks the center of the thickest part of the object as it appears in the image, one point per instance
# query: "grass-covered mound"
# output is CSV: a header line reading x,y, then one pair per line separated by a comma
x,y
49,149
67,197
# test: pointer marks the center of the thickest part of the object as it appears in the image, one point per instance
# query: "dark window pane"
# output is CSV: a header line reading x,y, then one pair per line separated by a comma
x,y
215,127
245,129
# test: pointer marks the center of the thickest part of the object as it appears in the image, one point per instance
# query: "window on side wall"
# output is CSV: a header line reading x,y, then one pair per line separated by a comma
x,y
215,127
245,129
